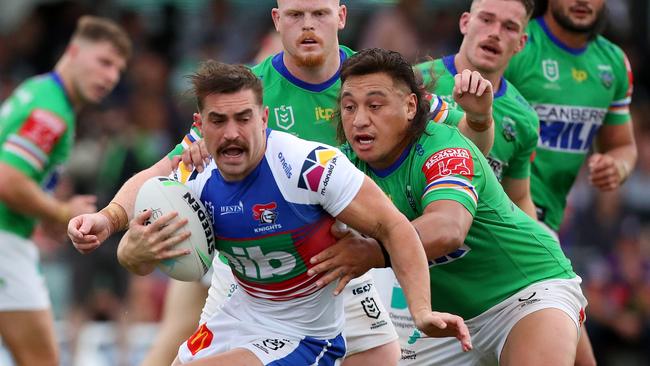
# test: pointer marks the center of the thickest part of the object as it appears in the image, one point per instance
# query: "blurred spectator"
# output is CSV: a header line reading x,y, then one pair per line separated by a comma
x,y
396,28
618,288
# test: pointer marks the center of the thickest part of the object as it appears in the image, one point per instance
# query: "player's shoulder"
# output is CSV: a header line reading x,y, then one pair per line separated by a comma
x,y
609,49
266,71
440,135
514,98
290,149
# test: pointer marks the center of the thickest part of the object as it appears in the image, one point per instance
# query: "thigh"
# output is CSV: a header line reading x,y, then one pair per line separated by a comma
x,y
29,336
545,337
21,283
183,303
367,323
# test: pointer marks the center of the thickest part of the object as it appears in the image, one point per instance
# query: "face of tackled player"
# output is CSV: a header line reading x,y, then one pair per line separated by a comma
x,y
375,113
234,129
97,67
493,32
579,16
309,29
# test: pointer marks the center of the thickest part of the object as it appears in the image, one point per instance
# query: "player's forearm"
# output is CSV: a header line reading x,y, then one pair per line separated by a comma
x,y
410,266
479,130
526,204
24,196
125,197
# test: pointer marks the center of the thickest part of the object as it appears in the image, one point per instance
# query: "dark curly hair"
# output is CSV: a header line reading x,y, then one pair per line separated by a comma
x,y
376,60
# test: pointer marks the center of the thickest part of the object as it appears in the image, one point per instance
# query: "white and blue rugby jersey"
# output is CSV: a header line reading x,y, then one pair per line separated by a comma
x,y
273,221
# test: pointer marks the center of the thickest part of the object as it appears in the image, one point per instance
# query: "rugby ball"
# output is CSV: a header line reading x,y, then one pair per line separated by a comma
x,y
163,195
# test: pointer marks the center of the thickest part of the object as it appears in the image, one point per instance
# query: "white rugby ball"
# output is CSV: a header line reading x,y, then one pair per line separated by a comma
x,y
163,195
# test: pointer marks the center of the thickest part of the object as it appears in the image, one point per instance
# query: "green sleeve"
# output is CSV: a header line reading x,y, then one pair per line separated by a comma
x,y
619,110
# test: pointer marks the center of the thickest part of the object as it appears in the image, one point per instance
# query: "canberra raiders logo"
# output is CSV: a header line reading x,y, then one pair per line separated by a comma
x,y
551,70
606,75
284,116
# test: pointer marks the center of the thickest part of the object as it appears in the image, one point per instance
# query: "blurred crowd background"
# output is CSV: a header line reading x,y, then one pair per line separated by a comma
x,y
105,316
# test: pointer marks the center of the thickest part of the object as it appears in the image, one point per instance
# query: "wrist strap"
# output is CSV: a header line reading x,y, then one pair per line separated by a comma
x,y
477,125
116,215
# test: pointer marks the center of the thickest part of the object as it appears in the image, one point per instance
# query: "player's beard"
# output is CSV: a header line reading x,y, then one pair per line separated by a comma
x,y
591,29
310,60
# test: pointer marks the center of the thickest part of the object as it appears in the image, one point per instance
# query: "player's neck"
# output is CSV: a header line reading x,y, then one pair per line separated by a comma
x,y
462,63
567,37
317,74
62,68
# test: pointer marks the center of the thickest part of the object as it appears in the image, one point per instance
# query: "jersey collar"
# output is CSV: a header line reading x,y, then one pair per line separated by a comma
x,y
383,173
57,79
279,66
451,67
554,39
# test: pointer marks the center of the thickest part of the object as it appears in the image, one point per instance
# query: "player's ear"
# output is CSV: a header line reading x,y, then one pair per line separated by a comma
x,y
522,42
462,23
275,15
265,116
411,106
343,13
198,122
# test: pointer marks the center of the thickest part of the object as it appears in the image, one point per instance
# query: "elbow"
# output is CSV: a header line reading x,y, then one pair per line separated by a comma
x,y
449,240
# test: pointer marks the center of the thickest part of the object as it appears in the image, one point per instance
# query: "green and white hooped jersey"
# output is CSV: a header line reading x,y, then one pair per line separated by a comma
x,y
516,124
574,92
504,251
36,137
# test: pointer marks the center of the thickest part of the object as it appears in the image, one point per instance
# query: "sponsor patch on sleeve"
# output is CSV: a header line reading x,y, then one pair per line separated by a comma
x,y
451,168
43,128
449,162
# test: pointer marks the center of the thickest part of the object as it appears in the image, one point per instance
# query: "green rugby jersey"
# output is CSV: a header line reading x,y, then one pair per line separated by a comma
x,y
36,136
515,122
574,92
505,250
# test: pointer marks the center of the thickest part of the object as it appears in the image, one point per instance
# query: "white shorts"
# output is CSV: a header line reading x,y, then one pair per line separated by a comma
x,y
490,329
367,324
22,286
236,325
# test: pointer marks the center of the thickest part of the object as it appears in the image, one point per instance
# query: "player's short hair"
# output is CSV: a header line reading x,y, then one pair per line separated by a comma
x,y
529,5
215,77
96,29
377,60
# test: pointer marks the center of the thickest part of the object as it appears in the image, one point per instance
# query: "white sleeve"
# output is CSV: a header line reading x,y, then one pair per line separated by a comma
x,y
340,184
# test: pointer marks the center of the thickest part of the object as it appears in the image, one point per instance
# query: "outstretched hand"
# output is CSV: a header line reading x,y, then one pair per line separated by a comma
x,y
435,324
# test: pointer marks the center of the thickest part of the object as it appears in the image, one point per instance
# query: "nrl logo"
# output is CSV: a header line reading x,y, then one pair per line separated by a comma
x,y
284,116
551,70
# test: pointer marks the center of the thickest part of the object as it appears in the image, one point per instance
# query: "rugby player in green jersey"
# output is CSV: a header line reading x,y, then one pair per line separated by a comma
x,y
37,124
494,30
300,88
580,85
489,261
